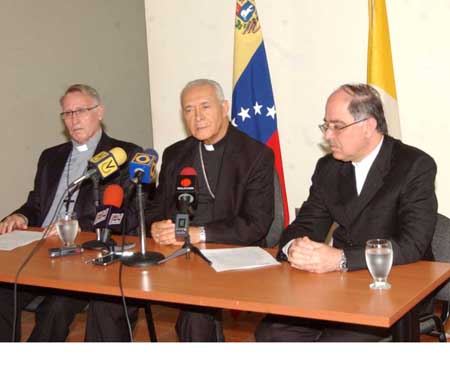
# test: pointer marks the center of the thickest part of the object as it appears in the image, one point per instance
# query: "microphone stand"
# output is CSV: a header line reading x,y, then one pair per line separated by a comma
x,y
143,258
186,249
98,244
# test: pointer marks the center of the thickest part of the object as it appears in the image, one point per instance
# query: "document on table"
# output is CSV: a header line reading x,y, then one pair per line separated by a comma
x,y
239,258
14,239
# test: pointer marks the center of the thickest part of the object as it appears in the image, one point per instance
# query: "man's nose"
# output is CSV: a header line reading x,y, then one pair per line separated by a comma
x,y
198,114
329,134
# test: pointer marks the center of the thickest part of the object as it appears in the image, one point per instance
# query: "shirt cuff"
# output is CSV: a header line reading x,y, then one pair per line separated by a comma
x,y
285,248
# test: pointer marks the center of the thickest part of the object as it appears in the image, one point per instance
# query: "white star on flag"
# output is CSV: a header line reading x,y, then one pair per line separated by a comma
x,y
244,113
257,107
271,112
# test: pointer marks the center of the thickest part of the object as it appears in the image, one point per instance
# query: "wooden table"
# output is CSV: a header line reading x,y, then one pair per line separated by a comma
x,y
341,297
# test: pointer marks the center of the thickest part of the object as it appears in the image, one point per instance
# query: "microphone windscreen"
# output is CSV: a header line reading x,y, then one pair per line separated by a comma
x,y
119,155
188,171
113,195
152,152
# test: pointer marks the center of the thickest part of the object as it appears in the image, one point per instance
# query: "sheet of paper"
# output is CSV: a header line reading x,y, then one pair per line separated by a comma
x,y
239,258
14,239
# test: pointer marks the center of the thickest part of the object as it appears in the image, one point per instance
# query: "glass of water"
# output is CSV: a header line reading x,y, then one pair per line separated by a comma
x,y
379,257
67,228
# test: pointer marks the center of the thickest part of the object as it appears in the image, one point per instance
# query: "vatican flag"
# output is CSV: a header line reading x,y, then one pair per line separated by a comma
x,y
380,70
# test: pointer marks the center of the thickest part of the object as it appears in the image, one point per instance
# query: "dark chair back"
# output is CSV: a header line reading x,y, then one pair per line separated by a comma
x,y
277,226
431,324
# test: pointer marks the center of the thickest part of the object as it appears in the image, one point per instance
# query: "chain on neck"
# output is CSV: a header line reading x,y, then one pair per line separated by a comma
x,y
204,171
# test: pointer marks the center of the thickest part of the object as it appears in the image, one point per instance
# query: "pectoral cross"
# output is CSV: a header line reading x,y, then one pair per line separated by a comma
x,y
68,201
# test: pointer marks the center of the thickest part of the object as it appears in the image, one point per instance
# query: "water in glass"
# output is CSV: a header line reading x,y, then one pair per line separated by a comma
x,y
67,228
379,257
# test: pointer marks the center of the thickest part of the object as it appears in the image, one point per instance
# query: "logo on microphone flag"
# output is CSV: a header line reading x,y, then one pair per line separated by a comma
x,y
253,107
380,69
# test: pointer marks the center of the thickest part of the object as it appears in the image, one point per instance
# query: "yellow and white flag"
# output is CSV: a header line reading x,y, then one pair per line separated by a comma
x,y
380,70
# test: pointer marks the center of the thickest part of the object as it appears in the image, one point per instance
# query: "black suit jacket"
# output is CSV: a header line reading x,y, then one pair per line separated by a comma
x,y
397,202
50,168
243,209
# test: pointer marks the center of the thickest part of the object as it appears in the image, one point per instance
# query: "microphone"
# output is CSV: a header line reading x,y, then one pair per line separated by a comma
x,y
103,164
186,196
108,218
142,171
186,191
143,167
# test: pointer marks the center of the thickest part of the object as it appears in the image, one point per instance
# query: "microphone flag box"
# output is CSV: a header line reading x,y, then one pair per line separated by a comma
x,y
105,163
101,216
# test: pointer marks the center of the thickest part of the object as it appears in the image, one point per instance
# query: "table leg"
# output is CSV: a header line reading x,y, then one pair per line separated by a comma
x,y
407,328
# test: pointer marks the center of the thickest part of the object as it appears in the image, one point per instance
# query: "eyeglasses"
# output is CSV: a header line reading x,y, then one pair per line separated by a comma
x,y
66,115
337,129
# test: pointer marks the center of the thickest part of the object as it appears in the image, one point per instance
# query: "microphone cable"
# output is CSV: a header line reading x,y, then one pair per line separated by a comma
x,y
122,294
28,258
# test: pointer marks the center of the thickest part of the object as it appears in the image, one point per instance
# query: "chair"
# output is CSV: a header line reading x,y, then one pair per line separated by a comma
x,y
277,227
431,324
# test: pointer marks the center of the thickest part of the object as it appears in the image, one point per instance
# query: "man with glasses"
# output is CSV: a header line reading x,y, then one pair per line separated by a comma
x,y
370,186
82,114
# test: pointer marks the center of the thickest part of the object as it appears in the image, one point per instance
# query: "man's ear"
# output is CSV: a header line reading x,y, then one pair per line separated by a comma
x,y
100,112
225,107
371,126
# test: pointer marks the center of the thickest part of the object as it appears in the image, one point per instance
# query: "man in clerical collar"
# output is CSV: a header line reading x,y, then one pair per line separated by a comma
x,y
82,114
372,186
235,191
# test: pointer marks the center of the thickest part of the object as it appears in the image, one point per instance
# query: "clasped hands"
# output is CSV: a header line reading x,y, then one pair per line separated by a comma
x,y
163,233
315,257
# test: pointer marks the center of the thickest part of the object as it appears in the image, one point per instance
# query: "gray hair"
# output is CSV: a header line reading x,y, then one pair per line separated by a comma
x,y
366,101
198,82
84,89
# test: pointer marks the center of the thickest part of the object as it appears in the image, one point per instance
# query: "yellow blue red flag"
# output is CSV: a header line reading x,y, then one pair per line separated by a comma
x,y
253,107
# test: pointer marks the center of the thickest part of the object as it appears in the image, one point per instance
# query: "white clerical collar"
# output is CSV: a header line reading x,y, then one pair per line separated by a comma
x,y
81,148
90,144
367,161
362,167
209,147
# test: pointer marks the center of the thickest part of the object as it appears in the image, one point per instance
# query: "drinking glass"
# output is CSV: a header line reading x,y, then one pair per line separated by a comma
x,y
67,228
379,257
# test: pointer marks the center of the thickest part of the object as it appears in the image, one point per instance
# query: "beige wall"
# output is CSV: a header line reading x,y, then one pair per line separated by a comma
x,y
47,45
313,46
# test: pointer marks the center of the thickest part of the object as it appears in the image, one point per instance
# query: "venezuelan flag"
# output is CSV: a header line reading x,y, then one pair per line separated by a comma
x,y
380,70
253,108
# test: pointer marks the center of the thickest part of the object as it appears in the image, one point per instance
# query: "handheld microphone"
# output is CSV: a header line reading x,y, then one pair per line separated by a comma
x,y
186,196
103,164
143,167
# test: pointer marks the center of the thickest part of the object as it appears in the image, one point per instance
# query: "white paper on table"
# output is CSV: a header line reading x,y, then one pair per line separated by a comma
x,y
14,239
239,258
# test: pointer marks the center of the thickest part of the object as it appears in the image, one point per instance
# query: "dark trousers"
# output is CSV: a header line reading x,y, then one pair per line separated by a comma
x,y
291,329
106,321
53,316
294,329
199,324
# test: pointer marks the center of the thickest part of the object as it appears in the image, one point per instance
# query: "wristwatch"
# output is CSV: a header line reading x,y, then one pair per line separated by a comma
x,y
343,262
202,234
